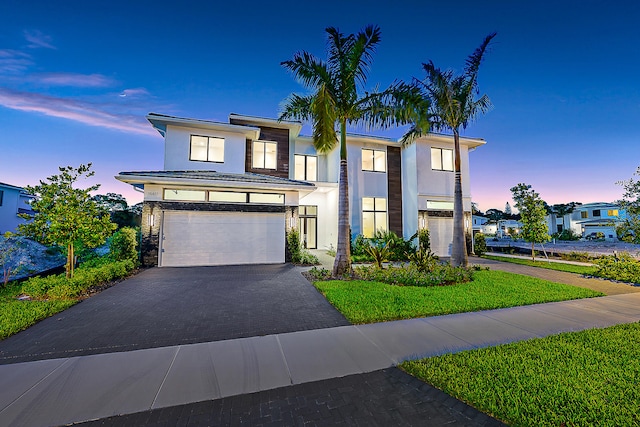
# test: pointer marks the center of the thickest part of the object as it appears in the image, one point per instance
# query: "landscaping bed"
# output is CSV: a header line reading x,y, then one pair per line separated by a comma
x,y
572,379
569,268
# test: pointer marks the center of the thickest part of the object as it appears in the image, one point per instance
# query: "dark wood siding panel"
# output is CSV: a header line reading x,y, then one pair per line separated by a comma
x,y
394,189
281,136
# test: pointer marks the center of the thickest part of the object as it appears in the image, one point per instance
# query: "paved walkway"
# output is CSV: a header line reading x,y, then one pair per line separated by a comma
x,y
67,390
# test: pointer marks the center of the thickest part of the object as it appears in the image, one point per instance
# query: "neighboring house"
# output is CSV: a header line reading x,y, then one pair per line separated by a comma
x,y
504,225
588,220
13,201
478,223
230,191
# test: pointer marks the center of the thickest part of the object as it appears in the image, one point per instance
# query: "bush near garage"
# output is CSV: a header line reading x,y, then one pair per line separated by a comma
x,y
621,267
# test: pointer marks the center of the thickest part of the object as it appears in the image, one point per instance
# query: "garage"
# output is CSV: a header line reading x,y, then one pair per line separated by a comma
x,y
191,238
441,235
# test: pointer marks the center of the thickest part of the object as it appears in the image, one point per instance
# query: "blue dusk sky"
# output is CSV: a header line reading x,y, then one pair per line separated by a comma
x,y
78,77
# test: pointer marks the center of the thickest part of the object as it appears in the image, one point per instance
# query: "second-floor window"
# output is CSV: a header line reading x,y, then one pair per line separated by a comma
x,y
441,159
306,167
264,155
374,215
584,214
207,149
612,212
374,160
596,212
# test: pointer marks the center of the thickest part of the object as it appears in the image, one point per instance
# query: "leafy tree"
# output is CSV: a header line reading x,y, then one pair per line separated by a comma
x,y
532,211
337,101
14,256
119,210
495,214
475,210
629,230
67,216
449,102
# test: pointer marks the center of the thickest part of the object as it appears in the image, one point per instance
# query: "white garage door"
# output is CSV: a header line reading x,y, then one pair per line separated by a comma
x,y
219,238
441,235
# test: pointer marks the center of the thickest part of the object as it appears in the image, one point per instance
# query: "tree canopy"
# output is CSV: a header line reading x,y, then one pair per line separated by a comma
x,y
67,216
532,215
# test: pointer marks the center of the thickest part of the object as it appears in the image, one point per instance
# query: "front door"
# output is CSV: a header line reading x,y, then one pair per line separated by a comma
x,y
308,226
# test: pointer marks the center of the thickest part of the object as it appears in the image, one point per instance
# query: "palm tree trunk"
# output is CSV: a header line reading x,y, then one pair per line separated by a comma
x,y
342,264
458,247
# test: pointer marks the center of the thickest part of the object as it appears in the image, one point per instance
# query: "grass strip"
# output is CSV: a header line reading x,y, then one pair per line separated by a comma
x,y
369,302
558,266
572,379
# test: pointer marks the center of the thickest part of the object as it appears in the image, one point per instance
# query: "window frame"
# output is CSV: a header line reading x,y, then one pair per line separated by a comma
x,y
306,167
374,212
207,149
441,150
596,213
264,158
373,160
1,196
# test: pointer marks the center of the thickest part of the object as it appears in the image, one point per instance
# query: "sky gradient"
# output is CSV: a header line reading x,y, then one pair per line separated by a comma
x,y
77,79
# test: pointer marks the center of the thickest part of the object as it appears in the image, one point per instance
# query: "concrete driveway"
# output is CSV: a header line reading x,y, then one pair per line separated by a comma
x,y
174,306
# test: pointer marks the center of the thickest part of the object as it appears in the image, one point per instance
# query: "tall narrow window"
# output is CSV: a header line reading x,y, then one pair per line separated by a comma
x,y
441,159
264,155
1,196
374,215
207,149
374,160
306,167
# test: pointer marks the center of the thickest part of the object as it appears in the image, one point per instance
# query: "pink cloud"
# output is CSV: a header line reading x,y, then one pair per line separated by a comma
x,y
73,79
77,111
38,39
14,61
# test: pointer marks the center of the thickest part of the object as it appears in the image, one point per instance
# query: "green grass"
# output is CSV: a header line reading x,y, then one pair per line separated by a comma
x,y
16,316
369,302
558,266
575,379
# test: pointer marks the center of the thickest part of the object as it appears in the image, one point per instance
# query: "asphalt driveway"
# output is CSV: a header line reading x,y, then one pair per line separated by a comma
x,y
172,306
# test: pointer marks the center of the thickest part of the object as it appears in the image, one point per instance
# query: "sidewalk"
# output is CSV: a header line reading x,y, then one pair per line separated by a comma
x,y
62,391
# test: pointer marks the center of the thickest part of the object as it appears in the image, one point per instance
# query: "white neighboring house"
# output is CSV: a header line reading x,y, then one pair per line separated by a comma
x,y
479,223
229,192
13,201
588,220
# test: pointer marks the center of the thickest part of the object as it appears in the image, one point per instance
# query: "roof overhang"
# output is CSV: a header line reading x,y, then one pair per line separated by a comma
x,y
160,123
294,127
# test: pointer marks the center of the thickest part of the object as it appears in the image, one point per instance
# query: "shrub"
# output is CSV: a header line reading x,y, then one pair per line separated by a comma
x,y
622,267
424,241
479,244
359,245
298,254
567,234
379,251
424,261
320,273
576,256
124,244
442,274
398,247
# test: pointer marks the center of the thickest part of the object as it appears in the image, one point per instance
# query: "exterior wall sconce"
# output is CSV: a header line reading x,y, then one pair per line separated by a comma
x,y
292,222
151,220
422,222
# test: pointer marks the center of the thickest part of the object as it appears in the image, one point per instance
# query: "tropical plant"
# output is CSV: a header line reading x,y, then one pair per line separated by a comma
x,y
336,101
449,102
423,260
532,212
379,251
67,216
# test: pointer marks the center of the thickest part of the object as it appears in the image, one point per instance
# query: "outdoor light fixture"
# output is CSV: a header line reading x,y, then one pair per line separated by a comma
x,y
292,222
151,220
422,222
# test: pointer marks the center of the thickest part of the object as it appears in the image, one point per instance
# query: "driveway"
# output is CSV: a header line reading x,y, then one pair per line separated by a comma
x,y
172,306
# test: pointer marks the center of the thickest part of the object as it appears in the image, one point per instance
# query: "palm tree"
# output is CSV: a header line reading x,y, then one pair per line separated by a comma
x,y
335,101
452,104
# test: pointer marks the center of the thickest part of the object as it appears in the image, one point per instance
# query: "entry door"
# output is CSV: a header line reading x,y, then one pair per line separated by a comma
x,y
308,226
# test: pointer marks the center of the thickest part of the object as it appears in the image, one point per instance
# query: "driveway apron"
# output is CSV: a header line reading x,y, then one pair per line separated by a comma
x,y
175,306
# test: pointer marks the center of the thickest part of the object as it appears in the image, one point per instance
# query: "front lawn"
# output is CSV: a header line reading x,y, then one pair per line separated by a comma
x,y
369,302
573,379
558,266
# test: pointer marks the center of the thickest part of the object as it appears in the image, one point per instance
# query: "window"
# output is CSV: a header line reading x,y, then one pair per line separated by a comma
x,y
1,196
441,159
207,149
264,155
374,160
584,214
434,204
227,197
596,212
306,167
374,215
266,198
612,212
185,195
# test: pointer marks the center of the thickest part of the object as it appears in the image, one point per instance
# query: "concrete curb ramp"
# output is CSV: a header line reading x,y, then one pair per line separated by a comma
x,y
63,391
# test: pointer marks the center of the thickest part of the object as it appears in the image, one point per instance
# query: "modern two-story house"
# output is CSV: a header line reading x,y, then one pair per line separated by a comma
x,y
13,202
589,220
229,192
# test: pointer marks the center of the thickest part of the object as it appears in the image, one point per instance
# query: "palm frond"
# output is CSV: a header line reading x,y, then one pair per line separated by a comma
x,y
297,107
324,119
360,57
308,70
475,59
